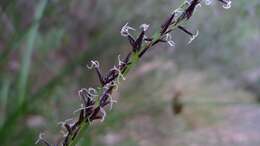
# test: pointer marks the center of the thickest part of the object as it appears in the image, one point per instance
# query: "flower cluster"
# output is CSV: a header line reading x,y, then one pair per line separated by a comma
x,y
94,100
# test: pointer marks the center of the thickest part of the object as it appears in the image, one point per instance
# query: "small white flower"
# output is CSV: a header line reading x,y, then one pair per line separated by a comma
x,y
169,40
94,64
144,27
125,30
194,37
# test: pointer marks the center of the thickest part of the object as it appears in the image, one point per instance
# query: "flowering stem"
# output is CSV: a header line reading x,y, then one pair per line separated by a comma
x,y
94,101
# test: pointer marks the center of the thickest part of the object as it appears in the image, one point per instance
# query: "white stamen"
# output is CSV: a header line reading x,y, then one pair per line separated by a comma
x,y
89,93
188,2
62,123
145,37
196,8
228,5
94,64
107,86
111,101
144,27
119,61
178,11
40,137
81,108
92,92
104,114
64,133
82,91
194,37
125,30
115,85
119,74
169,40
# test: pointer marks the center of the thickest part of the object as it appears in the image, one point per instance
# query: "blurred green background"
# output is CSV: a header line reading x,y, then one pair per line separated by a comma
x,y
45,46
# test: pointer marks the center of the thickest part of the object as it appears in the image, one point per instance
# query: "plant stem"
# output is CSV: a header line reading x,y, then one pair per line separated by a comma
x,y
81,133
134,60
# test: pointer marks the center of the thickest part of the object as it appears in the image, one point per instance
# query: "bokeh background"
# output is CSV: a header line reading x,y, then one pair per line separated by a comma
x,y
45,46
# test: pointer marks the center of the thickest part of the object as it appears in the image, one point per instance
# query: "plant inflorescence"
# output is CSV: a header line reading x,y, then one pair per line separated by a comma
x,y
94,100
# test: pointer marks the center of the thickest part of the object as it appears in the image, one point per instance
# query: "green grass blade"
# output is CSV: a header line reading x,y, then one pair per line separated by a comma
x,y
4,94
9,123
27,54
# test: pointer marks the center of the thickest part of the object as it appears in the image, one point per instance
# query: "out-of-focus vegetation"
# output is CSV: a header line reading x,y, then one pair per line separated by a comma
x,y
45,45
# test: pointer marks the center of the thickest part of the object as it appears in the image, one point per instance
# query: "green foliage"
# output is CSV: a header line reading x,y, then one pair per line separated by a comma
x,y
27,53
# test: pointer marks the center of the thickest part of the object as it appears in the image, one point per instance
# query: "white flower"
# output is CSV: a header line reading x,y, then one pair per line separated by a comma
x,y
125,30
169,40
144,27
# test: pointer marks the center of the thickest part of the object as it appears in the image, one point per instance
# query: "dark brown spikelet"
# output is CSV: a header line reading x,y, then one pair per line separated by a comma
x,y
167,23
138,42
131,40
189,11
223,1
